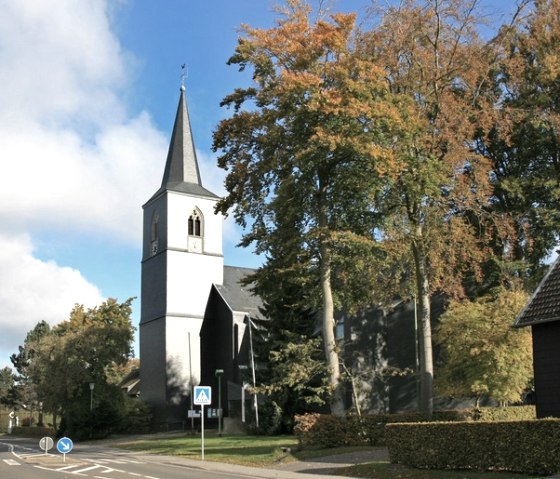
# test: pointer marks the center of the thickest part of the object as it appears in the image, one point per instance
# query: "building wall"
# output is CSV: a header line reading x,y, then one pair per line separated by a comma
x,y
546,361
153,376
216,347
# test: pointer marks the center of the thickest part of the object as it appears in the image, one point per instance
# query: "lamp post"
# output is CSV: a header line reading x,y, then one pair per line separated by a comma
x,y
219,373
91,387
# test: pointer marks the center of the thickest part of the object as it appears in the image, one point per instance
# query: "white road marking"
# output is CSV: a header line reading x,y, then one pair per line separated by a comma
x,y
11,462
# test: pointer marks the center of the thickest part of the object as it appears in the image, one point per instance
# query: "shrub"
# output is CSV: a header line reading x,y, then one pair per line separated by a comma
x,y
514,413
137,417
332,431
33,431
530,447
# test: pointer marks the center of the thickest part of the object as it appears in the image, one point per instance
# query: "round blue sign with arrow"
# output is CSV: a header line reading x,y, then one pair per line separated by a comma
x,y
64,445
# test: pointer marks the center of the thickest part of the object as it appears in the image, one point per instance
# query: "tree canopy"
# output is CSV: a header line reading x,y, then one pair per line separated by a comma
x,y
481,354
59,363
392,160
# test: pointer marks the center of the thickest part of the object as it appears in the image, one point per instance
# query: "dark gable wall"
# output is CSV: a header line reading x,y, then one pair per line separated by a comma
x,y
546,363
381,348
216,343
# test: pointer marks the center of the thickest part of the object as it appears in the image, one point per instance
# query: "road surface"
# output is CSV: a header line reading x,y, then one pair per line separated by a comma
x,y
21,458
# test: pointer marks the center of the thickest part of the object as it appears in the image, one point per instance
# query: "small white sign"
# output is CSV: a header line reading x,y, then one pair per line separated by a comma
x,y
193,414
46,443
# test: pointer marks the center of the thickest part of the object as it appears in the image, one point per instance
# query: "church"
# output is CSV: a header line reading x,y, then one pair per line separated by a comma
x,y
196,315
194,311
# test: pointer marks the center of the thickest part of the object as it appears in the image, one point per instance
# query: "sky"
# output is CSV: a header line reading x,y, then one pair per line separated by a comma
x,y
88,96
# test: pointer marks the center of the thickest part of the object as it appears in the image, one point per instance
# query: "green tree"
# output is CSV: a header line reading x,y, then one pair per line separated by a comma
x,y
433,57
24,392
524,142
7,387
482,355
82,350
308,135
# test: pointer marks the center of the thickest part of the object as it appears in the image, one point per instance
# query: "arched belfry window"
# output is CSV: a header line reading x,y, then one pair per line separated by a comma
x,y
195,224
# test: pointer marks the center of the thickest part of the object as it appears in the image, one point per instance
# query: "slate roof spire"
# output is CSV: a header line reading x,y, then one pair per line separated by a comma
x,y
182,173
182,164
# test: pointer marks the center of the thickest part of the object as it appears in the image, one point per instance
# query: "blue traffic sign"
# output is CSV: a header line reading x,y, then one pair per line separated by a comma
x,y
202,395
64,445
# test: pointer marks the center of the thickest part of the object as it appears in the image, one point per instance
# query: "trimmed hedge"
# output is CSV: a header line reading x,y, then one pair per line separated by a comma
x,y
33,431
333,431
514,413
530,447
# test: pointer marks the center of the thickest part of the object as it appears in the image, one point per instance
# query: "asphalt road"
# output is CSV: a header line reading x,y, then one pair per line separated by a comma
x,y
22,459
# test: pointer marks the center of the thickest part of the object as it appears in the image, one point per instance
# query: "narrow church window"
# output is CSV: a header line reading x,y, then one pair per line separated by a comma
x,y
154,245
195,224
155,226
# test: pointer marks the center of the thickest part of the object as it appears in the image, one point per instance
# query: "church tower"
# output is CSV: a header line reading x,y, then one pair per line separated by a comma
x,y
181,259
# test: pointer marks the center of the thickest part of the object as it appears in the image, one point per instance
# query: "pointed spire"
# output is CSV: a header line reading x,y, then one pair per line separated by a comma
x,y
181,165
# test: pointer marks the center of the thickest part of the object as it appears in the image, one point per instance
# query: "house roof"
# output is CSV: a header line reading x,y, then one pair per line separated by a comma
x,y
237,296
544,305
130,384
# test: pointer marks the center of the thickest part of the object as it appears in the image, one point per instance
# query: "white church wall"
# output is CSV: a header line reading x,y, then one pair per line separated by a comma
x,y
179,209
182,346
189,279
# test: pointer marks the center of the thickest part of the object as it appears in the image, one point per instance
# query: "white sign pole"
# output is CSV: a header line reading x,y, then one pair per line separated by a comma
x,y
202,428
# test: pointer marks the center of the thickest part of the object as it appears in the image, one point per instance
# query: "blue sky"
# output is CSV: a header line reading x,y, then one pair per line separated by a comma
x,y
89,93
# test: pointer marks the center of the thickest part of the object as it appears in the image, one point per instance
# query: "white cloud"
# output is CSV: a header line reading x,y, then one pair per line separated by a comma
x,y
33,291
72,159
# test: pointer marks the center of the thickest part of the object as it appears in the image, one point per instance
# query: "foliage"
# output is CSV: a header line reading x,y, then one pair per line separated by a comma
x,y
291,372
515,413
481,354
7,387
324,430
307,142
24,392
434,58
137,417
296,370
77,352
510,446
523,142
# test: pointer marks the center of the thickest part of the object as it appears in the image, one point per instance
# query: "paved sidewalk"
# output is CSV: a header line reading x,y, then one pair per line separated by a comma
x,y
329,465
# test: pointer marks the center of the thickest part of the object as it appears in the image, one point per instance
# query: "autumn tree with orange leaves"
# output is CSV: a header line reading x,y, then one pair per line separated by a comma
x,y
309,141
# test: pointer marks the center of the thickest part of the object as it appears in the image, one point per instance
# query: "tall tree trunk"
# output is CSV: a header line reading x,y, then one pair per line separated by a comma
x,y
426,402
328,324
329,339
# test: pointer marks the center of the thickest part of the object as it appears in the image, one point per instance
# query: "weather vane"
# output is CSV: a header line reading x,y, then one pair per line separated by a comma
x,y
184,74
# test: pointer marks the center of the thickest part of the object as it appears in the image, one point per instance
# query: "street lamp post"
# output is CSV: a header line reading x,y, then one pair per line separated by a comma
x,y
91,387
219,373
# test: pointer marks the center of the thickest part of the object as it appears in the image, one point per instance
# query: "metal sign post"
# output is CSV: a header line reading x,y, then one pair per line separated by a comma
x,y
46,443
64,446
202,396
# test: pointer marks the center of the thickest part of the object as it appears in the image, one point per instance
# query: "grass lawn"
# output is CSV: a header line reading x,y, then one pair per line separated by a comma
x,y
265,451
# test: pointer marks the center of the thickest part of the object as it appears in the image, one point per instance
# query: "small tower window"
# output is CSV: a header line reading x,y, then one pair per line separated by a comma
x,y
154,244
195,224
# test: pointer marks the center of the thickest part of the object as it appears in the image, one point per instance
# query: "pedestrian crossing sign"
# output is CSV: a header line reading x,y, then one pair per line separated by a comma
x,y
202,395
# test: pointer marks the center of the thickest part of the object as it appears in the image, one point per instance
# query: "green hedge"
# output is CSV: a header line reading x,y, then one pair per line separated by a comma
x,y
325,430
514,413
530,447
333,431
33,431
